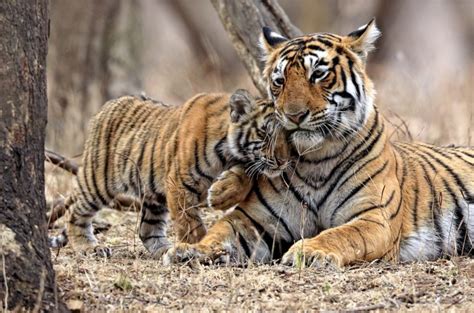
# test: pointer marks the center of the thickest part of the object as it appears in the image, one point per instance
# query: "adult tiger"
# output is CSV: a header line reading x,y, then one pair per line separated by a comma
x,y
354,194
167,157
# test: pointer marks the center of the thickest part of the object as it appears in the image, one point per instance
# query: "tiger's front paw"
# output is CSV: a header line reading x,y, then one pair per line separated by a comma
x,y
184,252
181,253
303,253
228,190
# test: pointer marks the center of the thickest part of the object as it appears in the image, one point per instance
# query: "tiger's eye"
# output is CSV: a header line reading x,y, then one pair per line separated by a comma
x,y
279,81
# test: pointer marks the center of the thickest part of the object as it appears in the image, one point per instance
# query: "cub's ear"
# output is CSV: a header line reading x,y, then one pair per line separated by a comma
x,y
270,40
241,104
361,41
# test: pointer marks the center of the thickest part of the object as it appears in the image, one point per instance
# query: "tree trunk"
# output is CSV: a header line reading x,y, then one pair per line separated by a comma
x,y
91,60
243,21
27,280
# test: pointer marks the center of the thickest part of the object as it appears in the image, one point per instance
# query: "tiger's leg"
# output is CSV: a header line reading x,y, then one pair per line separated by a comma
x,y
185,214
80,232
182,198
153,226
368,238
234,238
230,188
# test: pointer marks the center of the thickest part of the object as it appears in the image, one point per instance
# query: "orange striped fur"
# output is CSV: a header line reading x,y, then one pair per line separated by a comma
x,y
167,157
354,195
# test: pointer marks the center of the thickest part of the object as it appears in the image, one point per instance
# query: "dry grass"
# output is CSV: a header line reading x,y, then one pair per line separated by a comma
x,y
132,281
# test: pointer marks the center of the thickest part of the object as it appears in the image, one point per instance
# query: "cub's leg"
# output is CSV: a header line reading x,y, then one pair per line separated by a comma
x,y
183,204
368,238
233,238
153,226
80,232
229,189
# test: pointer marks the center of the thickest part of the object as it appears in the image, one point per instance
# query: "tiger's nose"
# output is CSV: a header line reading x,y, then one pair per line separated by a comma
x,y
297,117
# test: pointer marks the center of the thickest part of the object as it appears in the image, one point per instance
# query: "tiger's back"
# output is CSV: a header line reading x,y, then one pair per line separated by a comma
x,y
437,186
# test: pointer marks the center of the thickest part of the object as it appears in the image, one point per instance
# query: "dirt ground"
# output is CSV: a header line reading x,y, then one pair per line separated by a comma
x,y
133,281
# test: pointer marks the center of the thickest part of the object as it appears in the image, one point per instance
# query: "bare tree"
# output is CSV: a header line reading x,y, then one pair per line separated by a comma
x,y
243,21
94,56
27,280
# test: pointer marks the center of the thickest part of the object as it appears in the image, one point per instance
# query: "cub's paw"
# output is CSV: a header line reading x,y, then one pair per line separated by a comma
x,y
99,250
228,190
156,245
303,254
102,251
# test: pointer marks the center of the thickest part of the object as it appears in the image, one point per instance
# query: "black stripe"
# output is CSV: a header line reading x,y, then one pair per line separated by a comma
x,y
373,207
371,221
434,206
191,189
423,154
88,197
276,247
356,171
153,221
348,162
218,150
356,190
325,42
151,177
156,209
353,78
152,237
299,197
463,246
197,167
315,47
243,243
94,162
460,157
111,128
262,200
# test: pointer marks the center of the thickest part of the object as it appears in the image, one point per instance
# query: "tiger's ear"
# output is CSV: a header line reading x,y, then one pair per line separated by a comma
x,y
241,104
270,40
361,41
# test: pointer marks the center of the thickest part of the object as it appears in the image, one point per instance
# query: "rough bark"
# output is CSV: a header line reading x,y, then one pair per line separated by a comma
x,y
27,280
243,21
92,59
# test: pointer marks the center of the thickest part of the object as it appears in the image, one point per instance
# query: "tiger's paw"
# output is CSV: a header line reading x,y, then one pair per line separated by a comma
x,y
184,252
102,251
303,254
98,250
181,253
227,191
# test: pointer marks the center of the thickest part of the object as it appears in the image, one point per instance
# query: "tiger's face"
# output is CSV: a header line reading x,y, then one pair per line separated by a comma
x,y
255,136
319,85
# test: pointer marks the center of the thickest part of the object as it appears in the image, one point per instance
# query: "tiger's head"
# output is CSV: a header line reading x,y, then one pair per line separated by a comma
x,y
255,137
319,84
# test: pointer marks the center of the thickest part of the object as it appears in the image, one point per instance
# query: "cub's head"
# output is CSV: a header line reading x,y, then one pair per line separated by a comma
x,y
255,137
319,84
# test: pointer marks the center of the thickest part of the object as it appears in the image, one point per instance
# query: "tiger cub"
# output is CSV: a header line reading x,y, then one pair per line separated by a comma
x,y
167,157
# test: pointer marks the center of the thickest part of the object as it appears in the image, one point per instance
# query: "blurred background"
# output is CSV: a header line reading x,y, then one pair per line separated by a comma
x,y
172,49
